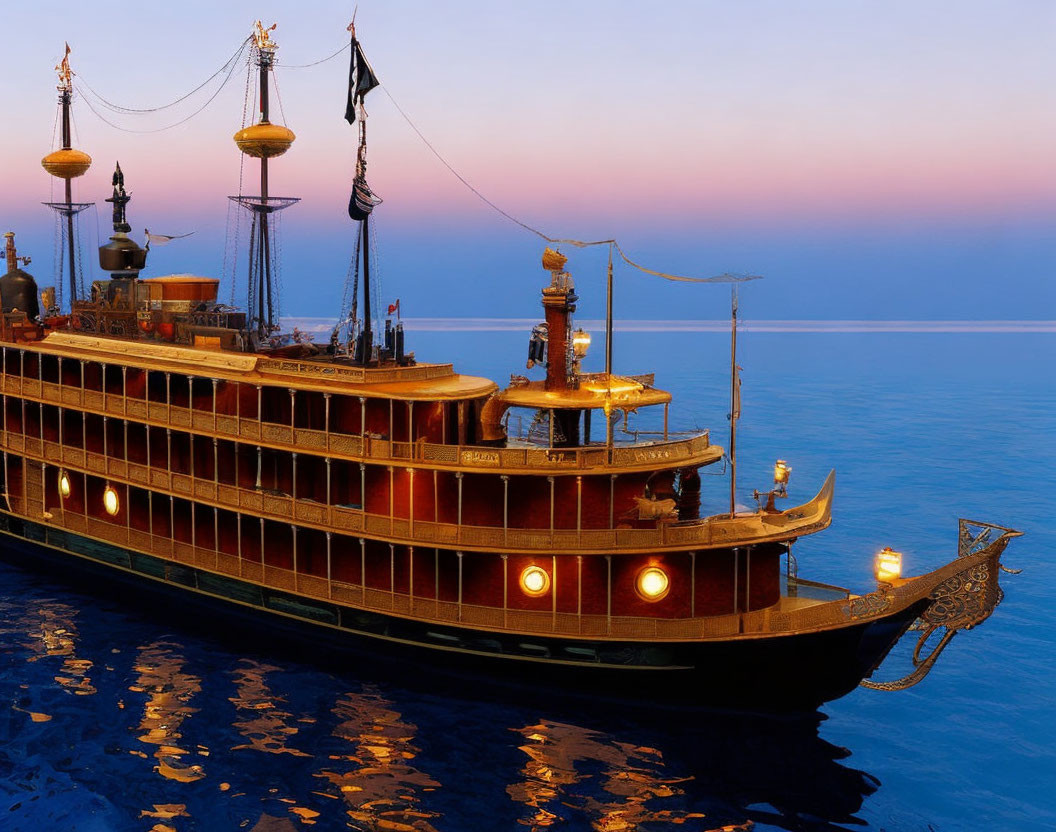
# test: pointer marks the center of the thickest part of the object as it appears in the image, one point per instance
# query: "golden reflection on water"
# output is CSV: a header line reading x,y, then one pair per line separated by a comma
x,y
263,723
563,758
382,790
52,631
169,690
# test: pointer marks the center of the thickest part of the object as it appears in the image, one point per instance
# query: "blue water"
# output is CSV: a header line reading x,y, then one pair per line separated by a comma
x,y
112,718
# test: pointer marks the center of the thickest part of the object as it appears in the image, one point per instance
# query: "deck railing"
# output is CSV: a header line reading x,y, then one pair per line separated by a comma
x,y
720,530
638,455
404,604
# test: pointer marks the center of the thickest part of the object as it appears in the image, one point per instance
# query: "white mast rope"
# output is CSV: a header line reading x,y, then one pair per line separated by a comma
x,y
723,278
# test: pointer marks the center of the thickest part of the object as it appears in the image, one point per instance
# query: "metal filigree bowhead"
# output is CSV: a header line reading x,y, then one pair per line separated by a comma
x,y
961,602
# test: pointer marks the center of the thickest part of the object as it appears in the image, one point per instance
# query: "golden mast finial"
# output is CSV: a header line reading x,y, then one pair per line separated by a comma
x,y
263,36
65,73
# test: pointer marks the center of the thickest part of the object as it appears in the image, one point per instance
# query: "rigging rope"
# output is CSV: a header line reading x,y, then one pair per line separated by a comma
x,y
212,98
723,278
117,108
320,61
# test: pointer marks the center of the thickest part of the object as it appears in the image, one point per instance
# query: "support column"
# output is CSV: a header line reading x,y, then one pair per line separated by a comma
x,y
505,588
293,530
550,480
458,477
748,580
363,568
553,592
579,590
579,503
392,569
692,584
392,497
326,420
608,593
736,578
329,501
410,579
612,501
410,500
459,585
329,572
505,506
215,383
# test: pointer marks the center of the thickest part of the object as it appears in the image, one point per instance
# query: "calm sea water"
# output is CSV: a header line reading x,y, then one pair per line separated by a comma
x,y
112,718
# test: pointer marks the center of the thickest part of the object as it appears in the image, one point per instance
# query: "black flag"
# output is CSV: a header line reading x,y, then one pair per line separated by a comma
x,y
361,80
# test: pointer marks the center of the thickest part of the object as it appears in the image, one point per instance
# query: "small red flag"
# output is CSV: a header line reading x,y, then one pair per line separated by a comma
x,y
394,307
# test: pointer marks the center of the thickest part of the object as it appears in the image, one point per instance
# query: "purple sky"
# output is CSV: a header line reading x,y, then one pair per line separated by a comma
x,y
872,160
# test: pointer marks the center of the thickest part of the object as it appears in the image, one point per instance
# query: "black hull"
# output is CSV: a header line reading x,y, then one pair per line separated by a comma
x,y
793,672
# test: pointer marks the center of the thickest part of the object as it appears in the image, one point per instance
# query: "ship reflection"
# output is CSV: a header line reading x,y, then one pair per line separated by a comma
x,y
622,778
263,724
169,690
51,631
686,771
378,783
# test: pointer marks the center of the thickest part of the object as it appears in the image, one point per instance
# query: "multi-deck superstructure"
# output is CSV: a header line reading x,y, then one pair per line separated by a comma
x,y
155,431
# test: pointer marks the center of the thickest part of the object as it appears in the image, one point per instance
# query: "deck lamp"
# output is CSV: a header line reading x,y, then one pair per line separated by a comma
x,y
64,485
652,583
782,471
888,565
580,343
110,501
535,581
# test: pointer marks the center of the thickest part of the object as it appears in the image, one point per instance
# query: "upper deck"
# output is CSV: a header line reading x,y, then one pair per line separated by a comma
x,y
325,381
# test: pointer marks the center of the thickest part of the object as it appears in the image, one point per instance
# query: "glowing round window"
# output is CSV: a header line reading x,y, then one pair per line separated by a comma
x,y
535,581
652,583
64,485
110,501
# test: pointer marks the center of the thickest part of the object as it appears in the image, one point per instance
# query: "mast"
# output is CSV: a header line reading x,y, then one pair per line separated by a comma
x,y
265,60
361,80
735,400
263,140
67,164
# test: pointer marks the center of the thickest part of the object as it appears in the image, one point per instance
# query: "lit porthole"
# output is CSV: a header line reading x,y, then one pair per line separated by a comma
x,y
110,501
65,486
652,583
535,581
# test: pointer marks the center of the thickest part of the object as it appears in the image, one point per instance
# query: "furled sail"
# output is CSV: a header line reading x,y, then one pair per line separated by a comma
x,y
361,80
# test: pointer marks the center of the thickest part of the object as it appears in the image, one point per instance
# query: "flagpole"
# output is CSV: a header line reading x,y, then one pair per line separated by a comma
x,y
735,403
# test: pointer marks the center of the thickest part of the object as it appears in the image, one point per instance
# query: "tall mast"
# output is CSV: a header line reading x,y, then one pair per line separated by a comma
x,y
735,400
67,164
361,80
263,140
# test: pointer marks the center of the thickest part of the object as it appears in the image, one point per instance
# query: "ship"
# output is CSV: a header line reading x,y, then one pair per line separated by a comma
x,y
154,434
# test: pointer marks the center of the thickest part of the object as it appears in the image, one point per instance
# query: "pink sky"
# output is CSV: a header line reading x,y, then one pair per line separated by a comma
x,y
586,119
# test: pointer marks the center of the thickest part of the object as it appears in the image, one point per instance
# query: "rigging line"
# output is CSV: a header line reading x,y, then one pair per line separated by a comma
x,y
479,195
278,96
724,278
170,126
140,111
320,61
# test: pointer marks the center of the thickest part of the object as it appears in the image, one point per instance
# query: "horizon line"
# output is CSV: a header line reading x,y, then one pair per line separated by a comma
x,y
451,324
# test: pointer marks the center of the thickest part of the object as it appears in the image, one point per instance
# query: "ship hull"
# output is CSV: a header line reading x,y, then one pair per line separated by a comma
x,y
770,673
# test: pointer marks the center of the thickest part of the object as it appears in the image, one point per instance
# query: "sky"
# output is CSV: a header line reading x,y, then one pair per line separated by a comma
x,y
871,160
